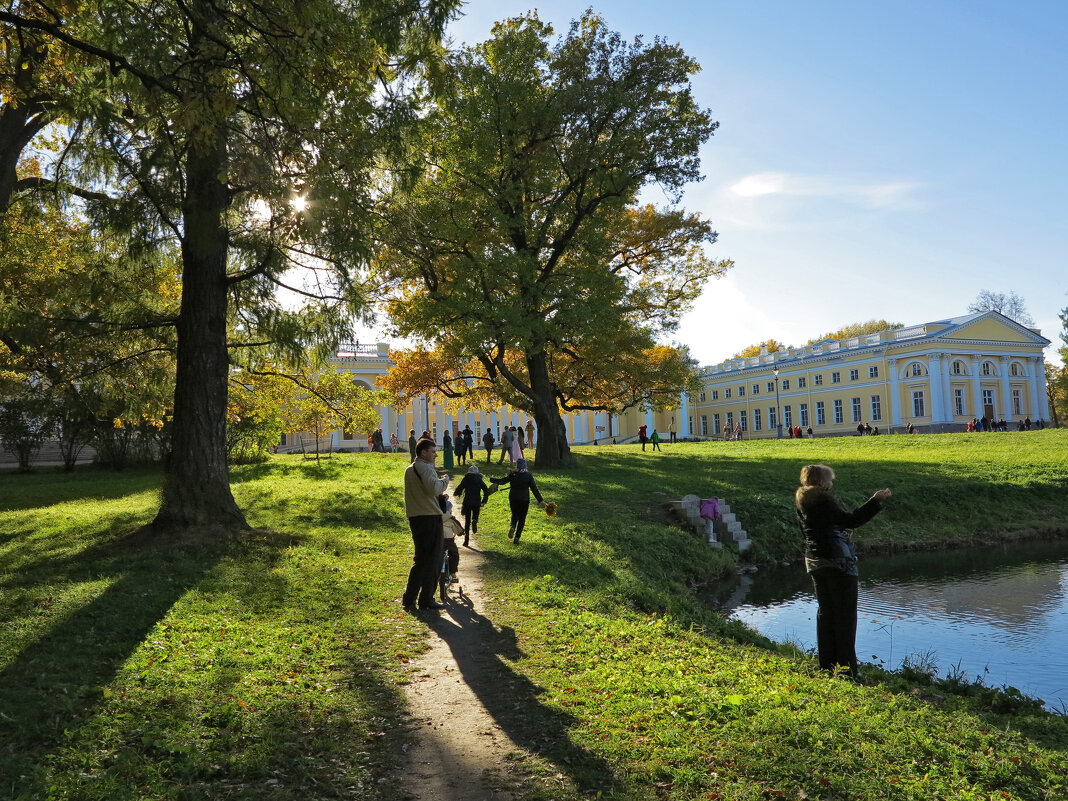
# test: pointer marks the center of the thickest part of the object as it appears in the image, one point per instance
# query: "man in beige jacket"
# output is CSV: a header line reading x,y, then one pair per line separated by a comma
x,y
421,490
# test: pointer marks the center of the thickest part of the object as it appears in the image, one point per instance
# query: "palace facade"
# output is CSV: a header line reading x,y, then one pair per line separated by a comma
x,y
936,376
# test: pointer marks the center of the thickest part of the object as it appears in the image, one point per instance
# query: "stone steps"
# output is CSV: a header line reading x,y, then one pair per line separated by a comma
x,y
724,531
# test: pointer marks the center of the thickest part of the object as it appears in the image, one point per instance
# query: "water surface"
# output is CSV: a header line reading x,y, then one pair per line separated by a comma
x,y
999,614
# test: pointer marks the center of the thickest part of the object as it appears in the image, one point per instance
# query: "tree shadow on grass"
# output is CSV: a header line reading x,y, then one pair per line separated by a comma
x,y
57,681
482,652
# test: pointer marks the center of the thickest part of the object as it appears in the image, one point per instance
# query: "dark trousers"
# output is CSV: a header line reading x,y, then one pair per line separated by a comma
x,y
453,554
471,514
429,543
519,518
836,619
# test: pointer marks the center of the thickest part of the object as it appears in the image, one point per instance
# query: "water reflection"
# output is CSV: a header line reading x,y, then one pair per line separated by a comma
x,y
1000,614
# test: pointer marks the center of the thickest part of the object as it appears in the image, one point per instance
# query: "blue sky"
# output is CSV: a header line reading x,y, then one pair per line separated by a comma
x,y
874,160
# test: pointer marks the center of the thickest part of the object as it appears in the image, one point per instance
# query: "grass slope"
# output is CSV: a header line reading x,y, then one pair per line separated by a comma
x,y
269,668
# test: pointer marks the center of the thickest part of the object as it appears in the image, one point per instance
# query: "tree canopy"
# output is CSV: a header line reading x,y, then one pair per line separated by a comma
x,y
857,330
200,124
772,346
521,255
1008,303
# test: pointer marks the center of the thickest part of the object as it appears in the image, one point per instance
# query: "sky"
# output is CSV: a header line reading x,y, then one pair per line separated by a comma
x,y
873,160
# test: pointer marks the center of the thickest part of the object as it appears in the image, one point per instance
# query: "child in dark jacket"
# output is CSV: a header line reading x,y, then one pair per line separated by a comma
x,y
474,492
521,483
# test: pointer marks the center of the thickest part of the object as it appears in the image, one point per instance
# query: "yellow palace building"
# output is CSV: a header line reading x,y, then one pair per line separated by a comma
x,y
937,376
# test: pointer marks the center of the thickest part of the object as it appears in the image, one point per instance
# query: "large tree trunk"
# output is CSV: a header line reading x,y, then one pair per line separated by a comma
x,y
552,450
197,489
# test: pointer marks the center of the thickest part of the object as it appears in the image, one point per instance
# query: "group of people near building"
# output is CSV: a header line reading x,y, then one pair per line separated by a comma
x,y
429,510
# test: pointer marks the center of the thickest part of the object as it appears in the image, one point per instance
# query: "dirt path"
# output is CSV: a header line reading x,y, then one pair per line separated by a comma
x,y
458,752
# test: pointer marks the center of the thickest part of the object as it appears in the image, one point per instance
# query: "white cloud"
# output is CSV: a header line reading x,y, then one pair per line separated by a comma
x,y
891,194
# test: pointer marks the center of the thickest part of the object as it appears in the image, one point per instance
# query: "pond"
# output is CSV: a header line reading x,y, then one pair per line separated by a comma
x,y
998,615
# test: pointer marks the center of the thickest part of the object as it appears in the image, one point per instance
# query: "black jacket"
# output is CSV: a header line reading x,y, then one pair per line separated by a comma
x,y
473,489
520,482
824,521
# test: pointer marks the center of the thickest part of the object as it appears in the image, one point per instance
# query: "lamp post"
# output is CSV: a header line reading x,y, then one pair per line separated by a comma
x,y
778,413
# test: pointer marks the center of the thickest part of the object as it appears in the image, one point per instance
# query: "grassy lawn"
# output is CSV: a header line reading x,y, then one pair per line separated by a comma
x,y
269,668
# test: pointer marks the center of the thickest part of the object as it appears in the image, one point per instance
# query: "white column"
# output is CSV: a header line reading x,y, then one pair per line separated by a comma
x,y
947,390
1041,402
684,412
934,374
385,425
894,399
649,420
977,391
491,425
1006,393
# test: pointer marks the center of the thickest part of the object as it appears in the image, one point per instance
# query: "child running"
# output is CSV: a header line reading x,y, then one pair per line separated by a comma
x,y
474,492
522,484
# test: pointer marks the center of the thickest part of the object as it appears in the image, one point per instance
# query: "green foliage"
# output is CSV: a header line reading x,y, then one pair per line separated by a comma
x,y
521,246
858,330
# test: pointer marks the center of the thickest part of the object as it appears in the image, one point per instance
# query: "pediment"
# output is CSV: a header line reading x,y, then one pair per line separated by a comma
x,y
993,327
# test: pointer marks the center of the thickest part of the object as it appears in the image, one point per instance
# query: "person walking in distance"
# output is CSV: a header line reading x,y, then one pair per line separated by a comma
x,y
412,442
422,486
487,443
507,437
831,560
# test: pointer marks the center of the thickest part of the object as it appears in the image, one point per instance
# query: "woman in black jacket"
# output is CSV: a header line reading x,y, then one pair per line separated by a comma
x,y
475,493
522,484
832,563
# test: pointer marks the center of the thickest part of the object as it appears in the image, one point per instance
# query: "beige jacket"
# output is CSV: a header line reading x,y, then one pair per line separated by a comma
x,y
422,488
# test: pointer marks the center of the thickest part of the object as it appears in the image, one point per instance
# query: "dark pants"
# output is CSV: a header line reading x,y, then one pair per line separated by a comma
x,y
836,619
489,452
642,440
519,518
453,554
471,514
429,552
656,446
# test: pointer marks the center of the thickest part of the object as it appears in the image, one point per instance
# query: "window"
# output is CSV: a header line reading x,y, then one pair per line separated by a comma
x,y
821,414
689,425
477,437
756,419
434,431
715,396
958,401
958,368
786,383
727,392
800,382
1014,371
917,369
876,409
741,390
771,387
283,442
873,371
756,389
839,413
743,423
856,410
854,375
818,379
704,423
787,416
917,404
986,368
802,413
836,378
730,420
988,401
771,417
1016,405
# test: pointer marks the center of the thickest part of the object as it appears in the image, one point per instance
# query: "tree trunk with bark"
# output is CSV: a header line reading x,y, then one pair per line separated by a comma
x,y
197,490
552,449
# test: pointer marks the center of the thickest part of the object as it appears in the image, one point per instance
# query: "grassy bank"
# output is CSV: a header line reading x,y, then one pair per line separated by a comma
x,y
269,668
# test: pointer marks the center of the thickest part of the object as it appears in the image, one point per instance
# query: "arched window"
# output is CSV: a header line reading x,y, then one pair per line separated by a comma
x,y
958,367
1014,370
986,368
917,369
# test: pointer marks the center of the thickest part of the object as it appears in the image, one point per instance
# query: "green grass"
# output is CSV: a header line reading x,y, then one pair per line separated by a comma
x,y
269,668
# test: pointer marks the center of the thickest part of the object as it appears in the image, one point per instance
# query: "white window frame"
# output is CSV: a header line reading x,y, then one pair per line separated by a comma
x,y
873,371
839,411
854,374
919,407
958,402
858,412
787,416
802,414
876,408
756,419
